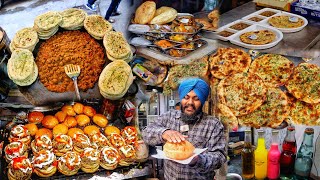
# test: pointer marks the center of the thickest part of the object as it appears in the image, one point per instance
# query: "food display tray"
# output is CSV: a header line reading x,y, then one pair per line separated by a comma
x,y
265,19
189,52
235,38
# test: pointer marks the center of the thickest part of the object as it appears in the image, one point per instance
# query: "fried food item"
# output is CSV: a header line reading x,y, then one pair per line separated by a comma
x,y
69,163
62,144
69,110
284,22
145,12
89,111
130,135
44,163
73,131
78,108
44,131
164,44
60,129
82,119
110,130
35,117
178,151
165,16
100,120
20,133
32,128
61,116
69,47
70,122
109,158
15,149
92,129
99,141
49,121
19,167
80,142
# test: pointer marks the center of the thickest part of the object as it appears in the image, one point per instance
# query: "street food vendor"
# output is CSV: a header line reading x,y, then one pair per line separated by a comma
x,y
193,125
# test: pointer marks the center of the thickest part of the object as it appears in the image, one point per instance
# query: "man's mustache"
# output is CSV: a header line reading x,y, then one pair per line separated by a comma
x,y
189,105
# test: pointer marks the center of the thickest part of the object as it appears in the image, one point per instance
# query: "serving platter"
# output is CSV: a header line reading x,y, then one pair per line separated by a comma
x,y
265,19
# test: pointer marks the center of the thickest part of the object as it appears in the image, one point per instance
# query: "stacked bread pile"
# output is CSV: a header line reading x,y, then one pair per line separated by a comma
x,y
97,26
147,13
21,67
73,19
26,38
67,142
117,47
47,24
115,80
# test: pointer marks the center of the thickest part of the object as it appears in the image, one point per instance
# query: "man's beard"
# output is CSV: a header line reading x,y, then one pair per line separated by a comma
x,y
190,118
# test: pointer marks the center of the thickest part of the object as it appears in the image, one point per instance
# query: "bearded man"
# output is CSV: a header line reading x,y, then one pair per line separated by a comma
x,y
191,124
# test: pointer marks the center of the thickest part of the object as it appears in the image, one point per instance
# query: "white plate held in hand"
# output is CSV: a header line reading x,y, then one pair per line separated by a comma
x,y
160,155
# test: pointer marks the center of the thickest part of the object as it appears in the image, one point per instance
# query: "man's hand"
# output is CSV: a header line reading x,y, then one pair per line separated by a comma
x,y
173,136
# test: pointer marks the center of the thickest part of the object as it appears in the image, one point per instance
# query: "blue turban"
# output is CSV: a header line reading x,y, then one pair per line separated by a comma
x,y
199,86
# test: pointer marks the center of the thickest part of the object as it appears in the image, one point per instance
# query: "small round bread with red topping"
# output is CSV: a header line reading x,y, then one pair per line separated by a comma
x,y
69,163
41,143
20,133
15,149
127,154
99,141
90,160
44,163
19,168
130,135
80,142
109,158
117,140
62,144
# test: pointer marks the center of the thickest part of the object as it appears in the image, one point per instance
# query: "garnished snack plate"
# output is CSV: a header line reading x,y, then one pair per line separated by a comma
x,y
280,19
235,39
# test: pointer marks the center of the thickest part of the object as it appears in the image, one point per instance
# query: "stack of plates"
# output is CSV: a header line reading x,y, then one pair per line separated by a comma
x,y
97,26
72,19
26,38
47,24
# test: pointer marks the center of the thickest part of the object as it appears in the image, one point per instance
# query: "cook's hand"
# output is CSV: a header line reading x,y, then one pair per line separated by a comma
x,y
173,136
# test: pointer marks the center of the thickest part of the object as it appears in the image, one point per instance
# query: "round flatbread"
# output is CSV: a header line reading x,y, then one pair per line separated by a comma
x,y
48,35
304,84
303,113
32,78
284,22
145,12
273,69
72,18
48,20
21,64
25,38
166,16
229,61
97,25
116,45
226,116
115,79
242,93
271,113
260,37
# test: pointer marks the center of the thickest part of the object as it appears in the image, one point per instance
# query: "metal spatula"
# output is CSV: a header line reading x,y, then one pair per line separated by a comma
x,y
73,71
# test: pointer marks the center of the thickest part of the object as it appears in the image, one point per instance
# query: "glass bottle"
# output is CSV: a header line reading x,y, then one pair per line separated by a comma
x,y
261,157
247,156
288,155
316,159
302,166
274,157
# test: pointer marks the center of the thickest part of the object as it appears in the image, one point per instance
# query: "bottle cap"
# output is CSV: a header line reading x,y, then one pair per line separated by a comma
x,y
291,128
309,131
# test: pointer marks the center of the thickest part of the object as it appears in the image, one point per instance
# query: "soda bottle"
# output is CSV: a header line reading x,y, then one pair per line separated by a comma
x,y
315,174
274,157
303,163
247,156
261,158
288,155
